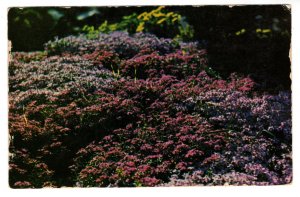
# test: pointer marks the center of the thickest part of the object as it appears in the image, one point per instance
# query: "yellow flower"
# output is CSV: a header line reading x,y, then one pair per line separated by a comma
x,y
146,18
160,8
174,19
170,14
266,31
140,27
161,21
158,15
142,15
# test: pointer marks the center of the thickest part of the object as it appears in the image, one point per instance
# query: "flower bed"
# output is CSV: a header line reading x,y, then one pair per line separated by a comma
x,y
120,110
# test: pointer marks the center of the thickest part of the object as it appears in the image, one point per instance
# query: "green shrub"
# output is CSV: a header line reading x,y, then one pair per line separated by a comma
x,y
157,21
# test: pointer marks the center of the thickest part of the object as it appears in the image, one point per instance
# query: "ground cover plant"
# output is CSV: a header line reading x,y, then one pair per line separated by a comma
x,y
120,110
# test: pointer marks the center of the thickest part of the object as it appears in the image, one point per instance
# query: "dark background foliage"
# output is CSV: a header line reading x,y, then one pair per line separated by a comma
x,y
248,52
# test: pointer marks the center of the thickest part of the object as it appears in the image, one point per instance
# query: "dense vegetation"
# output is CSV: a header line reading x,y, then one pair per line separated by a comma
x,y
126,108
251,40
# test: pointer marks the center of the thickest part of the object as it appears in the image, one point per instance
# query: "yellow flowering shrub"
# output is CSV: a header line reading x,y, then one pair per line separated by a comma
x,y
158,21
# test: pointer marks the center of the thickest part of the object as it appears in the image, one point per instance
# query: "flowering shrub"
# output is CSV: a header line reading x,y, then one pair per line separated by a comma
x,y
179,134
136,110
26,172
28,56
139,56
158,21
119,42
43,107
178,64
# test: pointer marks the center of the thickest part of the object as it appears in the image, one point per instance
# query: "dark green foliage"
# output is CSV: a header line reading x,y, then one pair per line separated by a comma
x,y
251,40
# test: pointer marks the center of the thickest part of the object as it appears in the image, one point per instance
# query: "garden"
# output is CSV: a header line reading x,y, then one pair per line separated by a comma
x,y
143,100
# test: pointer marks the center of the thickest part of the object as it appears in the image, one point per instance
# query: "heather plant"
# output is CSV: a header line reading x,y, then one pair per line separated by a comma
x,y
130,111
179,64
28,56
138,56
180,139
26,172
42,95
119,42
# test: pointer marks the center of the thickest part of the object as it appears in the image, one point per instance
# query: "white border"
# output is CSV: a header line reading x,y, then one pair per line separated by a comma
x,y
177,191
68,3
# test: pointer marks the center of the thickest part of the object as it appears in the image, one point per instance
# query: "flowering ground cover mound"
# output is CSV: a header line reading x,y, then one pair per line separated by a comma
x,y
121,110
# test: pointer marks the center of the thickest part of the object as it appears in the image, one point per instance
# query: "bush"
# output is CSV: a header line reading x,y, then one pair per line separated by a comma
x,y
157,21
176,131
119,42
120,110
41,94
139,56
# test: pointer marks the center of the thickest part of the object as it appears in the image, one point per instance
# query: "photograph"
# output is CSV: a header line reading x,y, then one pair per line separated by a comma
x,y
149,96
